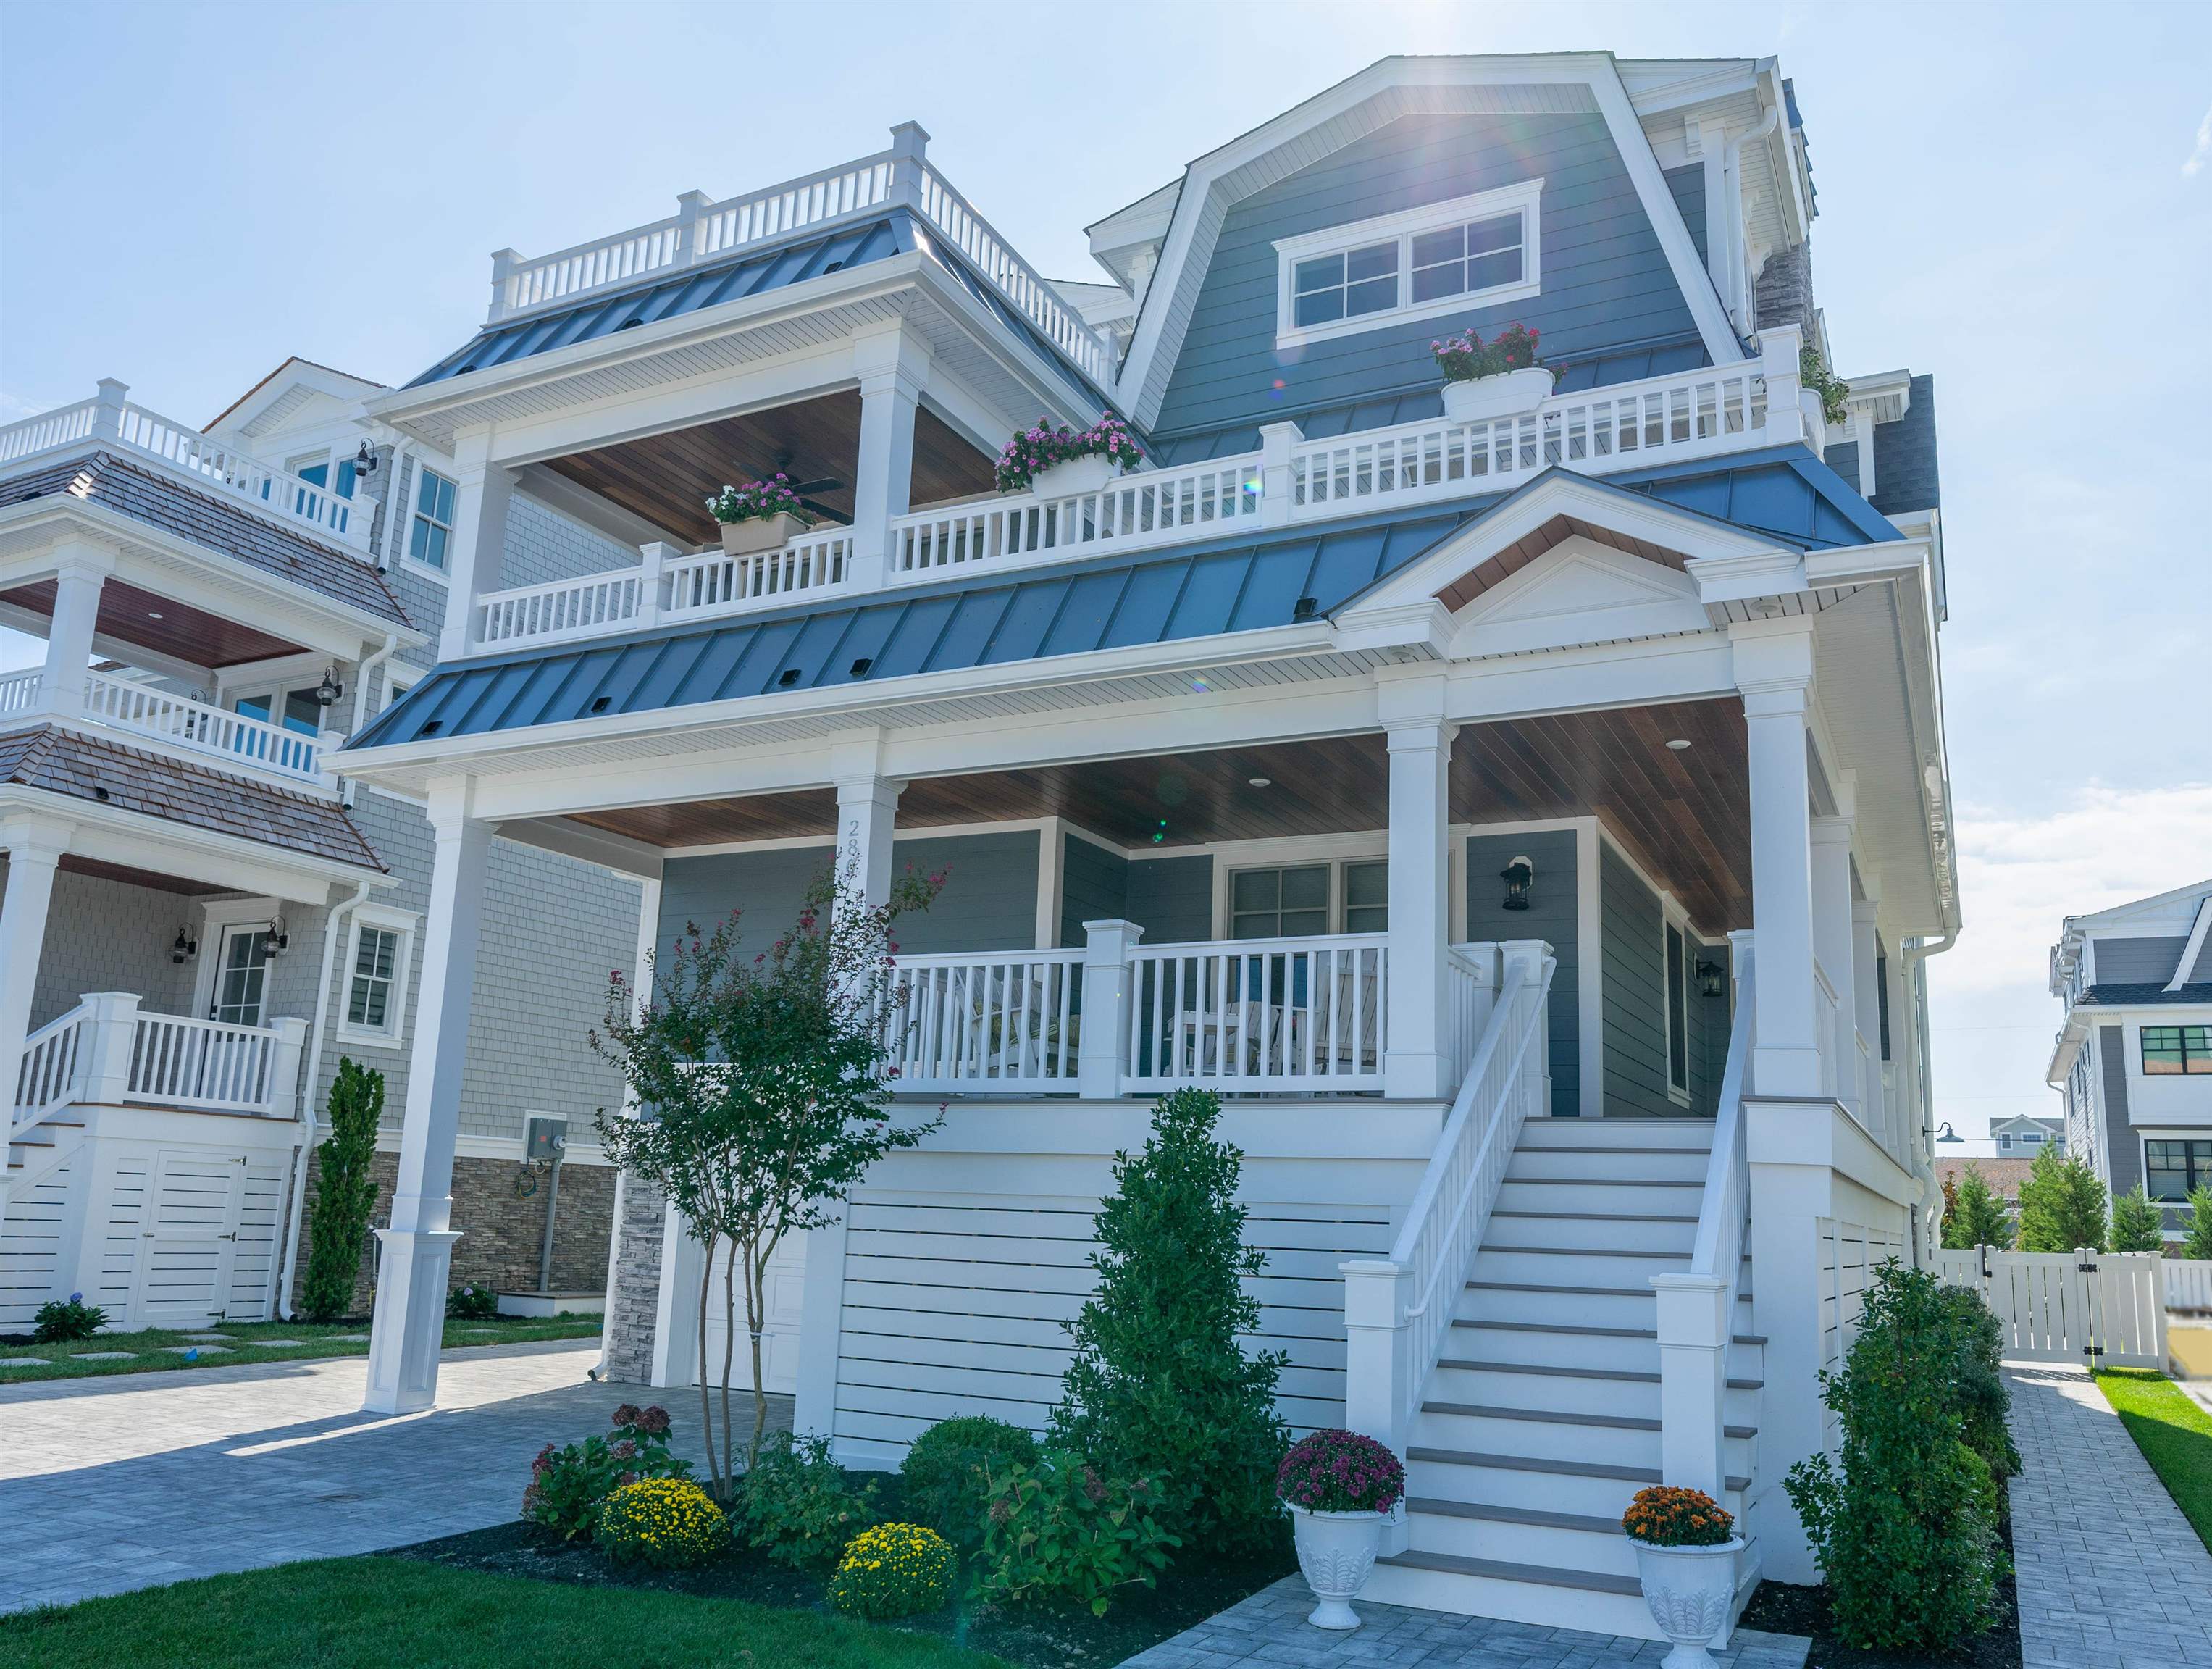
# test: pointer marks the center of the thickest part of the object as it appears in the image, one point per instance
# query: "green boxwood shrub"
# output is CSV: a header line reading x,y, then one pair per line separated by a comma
x,y
1061,1531
893,1570
669,1523
798,1506
1906,1528
945,1479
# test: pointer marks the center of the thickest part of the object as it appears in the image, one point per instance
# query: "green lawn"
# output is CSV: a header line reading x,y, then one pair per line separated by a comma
x,y
2173,1432
376,1612
149,1352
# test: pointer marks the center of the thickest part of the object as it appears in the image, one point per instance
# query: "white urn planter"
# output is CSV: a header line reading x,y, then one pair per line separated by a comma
x,y
1689,1590
1336,1551
749,538
1075,478
1508,394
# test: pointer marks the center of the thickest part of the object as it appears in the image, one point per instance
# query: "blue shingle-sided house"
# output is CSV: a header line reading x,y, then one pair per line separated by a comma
x,y
1527,805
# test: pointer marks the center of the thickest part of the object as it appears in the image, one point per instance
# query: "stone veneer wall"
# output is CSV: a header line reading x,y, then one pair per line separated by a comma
x,y
631,1322
1783,293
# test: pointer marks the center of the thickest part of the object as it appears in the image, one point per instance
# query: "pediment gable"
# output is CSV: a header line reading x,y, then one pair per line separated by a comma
x,y
1581,590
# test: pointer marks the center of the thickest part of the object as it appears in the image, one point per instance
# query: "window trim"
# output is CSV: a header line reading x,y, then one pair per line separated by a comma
x,y
1526,197
411,513
2188,1055
2185,1138
405,922
1675,922
1334,909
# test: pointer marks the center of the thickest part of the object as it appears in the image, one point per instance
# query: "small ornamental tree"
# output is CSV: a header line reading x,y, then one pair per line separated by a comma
x,y
2062,1205
1950,1207
2196,1232
345,1192
761,1080
2136,1224
1160,1387
1976,1216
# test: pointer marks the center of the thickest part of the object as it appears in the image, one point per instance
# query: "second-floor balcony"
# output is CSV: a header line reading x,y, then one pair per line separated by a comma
x,y
138,714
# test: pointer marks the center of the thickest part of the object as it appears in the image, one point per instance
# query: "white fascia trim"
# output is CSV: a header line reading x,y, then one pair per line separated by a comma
x,y
1525,196
1597,70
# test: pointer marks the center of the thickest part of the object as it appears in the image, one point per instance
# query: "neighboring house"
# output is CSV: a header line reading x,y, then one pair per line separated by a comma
x,y
2004,1176
1561,783
2024,1135
201,917
2134,1056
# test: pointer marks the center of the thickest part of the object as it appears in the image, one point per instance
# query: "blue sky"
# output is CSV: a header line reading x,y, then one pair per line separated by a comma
x,y
2016,199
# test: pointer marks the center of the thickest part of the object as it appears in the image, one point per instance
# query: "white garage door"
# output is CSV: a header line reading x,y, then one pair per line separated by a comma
x,y
786,1284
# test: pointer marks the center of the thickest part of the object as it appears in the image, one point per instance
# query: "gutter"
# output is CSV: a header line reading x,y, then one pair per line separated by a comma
x,y
361,672
315,1073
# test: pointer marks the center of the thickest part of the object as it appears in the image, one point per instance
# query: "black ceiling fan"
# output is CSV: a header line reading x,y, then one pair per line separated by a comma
x,y
805,488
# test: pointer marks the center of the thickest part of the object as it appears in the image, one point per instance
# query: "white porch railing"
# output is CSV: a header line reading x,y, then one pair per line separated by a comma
x,y
1260,1013
117,423
715,582
52,1073
201,1064
1397,1310
19,691
1014,277
105,1052
202,728
1002,1023
667,586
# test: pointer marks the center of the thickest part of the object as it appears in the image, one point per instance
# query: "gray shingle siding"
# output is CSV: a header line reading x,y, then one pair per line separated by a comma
x,y
2145,961
1550,917
103,935
2124,1154
1605,281
1631,933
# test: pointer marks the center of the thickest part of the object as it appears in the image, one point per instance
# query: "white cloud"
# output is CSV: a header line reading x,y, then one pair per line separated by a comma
x,y
2202,153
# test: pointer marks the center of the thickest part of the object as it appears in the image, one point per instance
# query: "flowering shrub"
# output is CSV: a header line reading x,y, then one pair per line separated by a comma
x,y
1668,1517
58,1323
569,1486
1060,1530
1466,358
471,1303
894,1570
1035,450
945,1478
669,1522
799,1507
758,500
1340,1471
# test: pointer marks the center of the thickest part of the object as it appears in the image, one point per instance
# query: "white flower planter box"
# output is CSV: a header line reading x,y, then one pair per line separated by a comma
x,y
1690,1591
1508,394
1075,478
1336,1551
751,538
1817,431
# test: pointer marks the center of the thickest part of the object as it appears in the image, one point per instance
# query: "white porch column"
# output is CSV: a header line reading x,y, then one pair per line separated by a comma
x,y
484,491
69,629
34,853
1832,948
1106,995
866,808
417,1248
1417,1062
1774,671
893,369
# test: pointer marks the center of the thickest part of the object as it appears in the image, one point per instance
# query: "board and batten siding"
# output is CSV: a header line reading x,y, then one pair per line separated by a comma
x,y
1605,280
1550,917
1631,933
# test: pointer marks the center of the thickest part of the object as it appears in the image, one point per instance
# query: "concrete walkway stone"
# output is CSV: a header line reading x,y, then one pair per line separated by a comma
x,y
1270,1627
123,1483
2110,1576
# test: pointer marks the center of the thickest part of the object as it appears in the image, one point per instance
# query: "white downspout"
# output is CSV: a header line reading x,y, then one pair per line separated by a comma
x,y
1740,262
361,671
315,1073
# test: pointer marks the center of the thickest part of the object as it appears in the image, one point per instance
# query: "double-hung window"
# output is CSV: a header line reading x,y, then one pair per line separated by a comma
x,y
2173,1050
376,968
1307,900
432,529
2174,1170
1442,259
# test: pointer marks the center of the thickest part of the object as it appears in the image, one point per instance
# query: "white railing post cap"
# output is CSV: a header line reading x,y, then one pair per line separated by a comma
x,y
910,138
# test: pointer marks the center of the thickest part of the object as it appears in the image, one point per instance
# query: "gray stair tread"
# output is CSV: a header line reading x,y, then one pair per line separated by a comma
x,y
1592,1217
1537,1515
1530,1462
1554,1417
1628,1374
1500,1570
1538,1286
1595,1252
1596,1332
1602,1182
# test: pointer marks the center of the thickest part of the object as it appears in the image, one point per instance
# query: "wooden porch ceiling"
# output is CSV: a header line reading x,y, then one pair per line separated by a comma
x,y
666,478
1683,814
161,624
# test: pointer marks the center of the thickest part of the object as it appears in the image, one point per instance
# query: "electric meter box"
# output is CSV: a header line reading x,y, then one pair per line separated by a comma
x,y
545,1139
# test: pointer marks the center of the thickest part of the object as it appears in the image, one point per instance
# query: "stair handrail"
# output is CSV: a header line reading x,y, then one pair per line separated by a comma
x,y
51,1073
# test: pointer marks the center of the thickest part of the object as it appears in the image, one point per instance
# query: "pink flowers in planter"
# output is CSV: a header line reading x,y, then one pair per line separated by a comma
x,y
1036,449
1466,358
756,501
1339,1471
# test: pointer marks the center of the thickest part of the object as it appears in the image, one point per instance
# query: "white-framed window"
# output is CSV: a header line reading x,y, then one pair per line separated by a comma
x,y
1307,900
430,528
373,1005
1443,257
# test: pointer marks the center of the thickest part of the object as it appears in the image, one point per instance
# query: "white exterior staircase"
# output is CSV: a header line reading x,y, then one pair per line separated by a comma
x,y
1540,1417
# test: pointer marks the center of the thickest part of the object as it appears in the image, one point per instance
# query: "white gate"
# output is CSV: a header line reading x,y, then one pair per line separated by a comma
x,y
2101,1309
786,1288
190,1239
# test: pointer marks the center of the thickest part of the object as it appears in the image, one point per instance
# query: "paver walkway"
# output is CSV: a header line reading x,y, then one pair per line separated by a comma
x,y
109,1485
1270,1627
2111,1575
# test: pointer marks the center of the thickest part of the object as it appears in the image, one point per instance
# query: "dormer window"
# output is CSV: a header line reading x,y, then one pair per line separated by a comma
x,y
1442,259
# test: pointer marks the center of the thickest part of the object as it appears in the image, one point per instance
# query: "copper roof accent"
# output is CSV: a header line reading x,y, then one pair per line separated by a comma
x,y
153,785
114,482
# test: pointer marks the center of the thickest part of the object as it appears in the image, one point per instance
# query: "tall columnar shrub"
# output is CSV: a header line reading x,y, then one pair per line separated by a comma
x,y
1160,1388
345,1192
2062,1205
1905,1527
2136,1225
2196,1233
1977,1215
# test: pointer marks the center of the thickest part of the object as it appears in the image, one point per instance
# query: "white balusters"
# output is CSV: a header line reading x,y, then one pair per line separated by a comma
x,y
716,582
198,727
1259,1014
991,1022
1155,507
53,1065
201,1064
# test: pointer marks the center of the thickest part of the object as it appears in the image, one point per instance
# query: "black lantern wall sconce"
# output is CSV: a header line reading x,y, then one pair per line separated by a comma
x,y
1517,875
275,941
1712,978
186,946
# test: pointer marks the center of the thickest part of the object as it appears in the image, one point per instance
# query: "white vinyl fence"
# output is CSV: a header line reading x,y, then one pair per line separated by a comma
x,y
2188,1283
2101,1309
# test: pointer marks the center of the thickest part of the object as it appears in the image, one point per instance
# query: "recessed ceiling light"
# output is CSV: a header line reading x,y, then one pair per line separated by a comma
x,y
1261,782
1678,744
153,614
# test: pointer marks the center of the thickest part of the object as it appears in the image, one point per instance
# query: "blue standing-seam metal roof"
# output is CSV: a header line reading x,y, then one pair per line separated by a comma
x,y
754,273
1243,582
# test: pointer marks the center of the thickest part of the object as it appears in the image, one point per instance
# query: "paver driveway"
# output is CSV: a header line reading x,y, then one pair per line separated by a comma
x,y
116,1483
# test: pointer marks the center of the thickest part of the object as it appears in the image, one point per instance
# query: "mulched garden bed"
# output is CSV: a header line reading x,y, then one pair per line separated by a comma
x,y
1783,1608
1034,1637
